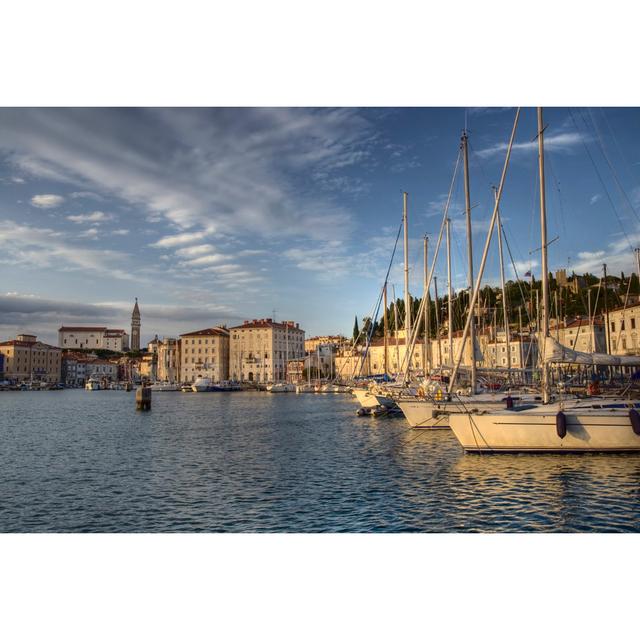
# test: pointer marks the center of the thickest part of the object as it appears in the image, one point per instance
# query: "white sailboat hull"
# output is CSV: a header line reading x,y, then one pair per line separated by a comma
x,y
369,400
534,430
423,414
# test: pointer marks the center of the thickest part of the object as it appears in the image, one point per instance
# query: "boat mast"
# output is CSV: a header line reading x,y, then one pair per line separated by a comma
x,y
449,293
606,310
407,297
520,348
590,322
504,290
386,329
435,285
483,260
426,352
544,266
395,325
467,206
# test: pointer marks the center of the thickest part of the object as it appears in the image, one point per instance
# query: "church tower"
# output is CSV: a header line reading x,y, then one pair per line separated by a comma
x,y
135,328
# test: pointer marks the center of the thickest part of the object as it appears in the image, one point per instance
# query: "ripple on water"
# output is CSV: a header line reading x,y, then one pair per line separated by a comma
x,y
78,461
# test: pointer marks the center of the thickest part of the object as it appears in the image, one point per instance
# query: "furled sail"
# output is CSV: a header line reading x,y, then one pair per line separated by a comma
x,y
555,352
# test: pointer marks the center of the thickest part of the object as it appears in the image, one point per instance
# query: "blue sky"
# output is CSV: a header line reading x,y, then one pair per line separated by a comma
x,y
213,216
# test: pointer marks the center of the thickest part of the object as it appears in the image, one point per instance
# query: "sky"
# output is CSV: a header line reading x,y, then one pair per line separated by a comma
x,y
212,216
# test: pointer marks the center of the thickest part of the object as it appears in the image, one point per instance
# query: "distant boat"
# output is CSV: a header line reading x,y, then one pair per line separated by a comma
x,y
93,384
281,387
305,388
186,388
226,385
206,384
165,386
201,384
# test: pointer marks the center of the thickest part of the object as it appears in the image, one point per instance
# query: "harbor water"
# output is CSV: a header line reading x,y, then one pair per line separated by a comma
x,y
78,461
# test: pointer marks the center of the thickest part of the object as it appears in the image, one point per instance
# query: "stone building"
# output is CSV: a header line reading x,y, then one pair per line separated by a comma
x,y
204,353
103,370
624,330
490,353
168,367
90,338
311,344
25,358
135,328
578,334
260,349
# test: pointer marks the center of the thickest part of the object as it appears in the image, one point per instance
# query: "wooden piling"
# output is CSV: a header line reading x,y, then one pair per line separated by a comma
x,y
143,399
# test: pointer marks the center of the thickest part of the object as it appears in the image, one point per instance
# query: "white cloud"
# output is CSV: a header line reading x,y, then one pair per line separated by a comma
x,y
180,239
205,260
96,216
85,194
47,201
595,198
39,248
564,142
120,232
197,250
234,169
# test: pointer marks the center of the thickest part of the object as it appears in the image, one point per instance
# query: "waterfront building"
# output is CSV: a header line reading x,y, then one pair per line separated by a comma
x,y
74,372
370,361
152,346
490,353
311,344
320,361
204,353
168,367
148,367
260,349
623,331
295,371
523,352
25,358
135,328
103,370
129,368
578,334
90,338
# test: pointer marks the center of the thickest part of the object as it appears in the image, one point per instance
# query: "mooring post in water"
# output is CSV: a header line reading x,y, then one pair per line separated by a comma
x,y
143,398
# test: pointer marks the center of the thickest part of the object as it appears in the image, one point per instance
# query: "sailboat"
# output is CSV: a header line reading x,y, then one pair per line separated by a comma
x,y
553,426
433,405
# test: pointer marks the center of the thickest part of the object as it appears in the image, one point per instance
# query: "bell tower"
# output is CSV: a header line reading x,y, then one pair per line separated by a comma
x,y
135,328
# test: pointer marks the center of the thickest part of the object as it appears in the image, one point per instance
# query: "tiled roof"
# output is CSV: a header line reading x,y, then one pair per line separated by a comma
x,y
267,323
82,329
21,343
212,331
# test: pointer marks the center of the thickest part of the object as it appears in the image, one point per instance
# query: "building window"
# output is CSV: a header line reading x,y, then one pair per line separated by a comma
x,y
613,327
622,325
633,323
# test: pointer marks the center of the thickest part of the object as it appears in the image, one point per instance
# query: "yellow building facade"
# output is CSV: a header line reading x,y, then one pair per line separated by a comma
x,y
27,359
260,349
204,353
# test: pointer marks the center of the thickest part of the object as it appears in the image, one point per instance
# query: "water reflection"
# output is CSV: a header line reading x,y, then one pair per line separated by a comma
x,y
76,461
